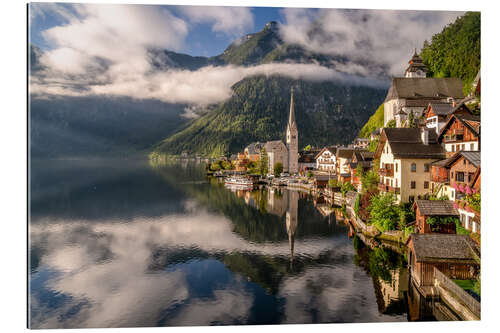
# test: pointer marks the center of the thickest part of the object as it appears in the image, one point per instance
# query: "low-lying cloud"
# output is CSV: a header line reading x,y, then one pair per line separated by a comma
x,y
104,49
385,37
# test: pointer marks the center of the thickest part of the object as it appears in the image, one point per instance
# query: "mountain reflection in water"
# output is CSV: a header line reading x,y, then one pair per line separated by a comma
x,y
121,244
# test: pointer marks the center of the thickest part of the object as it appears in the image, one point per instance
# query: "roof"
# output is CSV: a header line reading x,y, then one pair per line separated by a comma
x,y
441,109
444,247
345,152
331,149
472,156
421,88
270,145
407,143
254,147
436,207
291,116
472,122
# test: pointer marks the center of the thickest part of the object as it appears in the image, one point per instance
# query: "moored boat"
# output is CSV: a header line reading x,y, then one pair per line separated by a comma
x,y
235,180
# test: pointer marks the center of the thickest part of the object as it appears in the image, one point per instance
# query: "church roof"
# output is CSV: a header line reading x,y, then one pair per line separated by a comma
x,y
424,88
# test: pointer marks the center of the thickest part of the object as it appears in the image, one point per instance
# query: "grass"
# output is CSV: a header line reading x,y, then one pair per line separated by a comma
x,y
469,285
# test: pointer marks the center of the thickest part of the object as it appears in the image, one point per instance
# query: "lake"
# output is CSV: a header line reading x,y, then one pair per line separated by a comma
x,y
119,243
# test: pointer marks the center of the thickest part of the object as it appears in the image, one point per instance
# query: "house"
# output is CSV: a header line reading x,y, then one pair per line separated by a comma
x,y
461,132
276,153
414,92
405,156
241,162
456,170
252,151
456,256
464,176
363,159
307,159
326,160
437,114
361,143
434,208
342,163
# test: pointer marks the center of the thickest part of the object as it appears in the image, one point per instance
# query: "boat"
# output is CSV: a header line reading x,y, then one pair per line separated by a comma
x,y
235,180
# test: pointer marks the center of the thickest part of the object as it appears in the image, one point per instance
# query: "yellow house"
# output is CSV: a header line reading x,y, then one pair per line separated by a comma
x,y
405,156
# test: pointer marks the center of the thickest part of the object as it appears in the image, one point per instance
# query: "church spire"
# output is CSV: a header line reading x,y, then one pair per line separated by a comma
x,y
291,116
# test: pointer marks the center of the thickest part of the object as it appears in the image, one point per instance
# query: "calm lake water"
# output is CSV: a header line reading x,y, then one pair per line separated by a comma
x,y
123,244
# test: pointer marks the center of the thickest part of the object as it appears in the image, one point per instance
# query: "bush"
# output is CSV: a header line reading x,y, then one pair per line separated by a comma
x,y
278,168
333,183
384,213
369,181
346,187
356,204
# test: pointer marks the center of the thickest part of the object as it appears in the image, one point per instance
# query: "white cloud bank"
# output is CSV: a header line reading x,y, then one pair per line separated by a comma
x,y
103,49
384,37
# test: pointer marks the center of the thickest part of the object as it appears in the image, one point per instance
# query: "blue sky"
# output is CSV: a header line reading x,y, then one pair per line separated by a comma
x,y
201,40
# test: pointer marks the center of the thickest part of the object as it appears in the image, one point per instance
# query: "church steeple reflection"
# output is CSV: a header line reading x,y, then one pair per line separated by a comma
x,y
292,221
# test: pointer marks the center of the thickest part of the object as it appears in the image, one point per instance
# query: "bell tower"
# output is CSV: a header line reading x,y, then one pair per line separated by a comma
x,y
292,139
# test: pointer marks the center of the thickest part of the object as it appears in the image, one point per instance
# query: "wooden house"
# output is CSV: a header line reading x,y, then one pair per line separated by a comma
x,y
456,256
363,159
461,133
321,181
437,114
435,208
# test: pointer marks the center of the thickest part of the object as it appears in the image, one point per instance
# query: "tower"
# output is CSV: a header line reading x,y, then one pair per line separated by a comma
x,y
416,67
292,139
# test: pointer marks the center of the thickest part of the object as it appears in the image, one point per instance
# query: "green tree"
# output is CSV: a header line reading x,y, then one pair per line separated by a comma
x,y
278,168
369,181
346,187
226,165
411,120
384,213
391,124
307,148
373,145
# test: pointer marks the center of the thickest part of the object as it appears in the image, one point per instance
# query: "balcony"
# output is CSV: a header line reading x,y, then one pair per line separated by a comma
x,y
387,188
440,179
386,172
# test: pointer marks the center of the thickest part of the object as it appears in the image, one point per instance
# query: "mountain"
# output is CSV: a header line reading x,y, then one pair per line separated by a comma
x,y
326,112
456,51
375,121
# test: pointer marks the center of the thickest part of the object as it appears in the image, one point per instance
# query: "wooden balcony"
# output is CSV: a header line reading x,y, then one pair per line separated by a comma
x,y
388,188
386,172
440,179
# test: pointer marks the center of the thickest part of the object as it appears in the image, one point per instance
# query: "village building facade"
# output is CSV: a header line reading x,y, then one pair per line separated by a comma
x,y
405,156
363,160
326,159
438,114
343,161
461,133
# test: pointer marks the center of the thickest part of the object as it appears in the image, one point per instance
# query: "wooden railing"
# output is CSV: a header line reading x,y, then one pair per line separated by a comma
x,y
461,294
388,188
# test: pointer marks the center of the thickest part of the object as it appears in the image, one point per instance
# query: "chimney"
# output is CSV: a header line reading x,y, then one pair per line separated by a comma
x,y
424,134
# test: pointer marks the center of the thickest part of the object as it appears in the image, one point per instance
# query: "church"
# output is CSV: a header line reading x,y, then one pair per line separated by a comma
x,y
278,152
413,92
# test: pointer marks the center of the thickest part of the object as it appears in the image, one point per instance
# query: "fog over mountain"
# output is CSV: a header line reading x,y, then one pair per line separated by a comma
x,y
117,67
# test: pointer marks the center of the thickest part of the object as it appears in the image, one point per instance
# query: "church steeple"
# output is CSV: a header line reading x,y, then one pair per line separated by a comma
x,y
291,116
416,67
292,142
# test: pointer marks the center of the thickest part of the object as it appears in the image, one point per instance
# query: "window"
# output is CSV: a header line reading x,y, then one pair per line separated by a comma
x,y
426,185
396,166
426,167
465,161
471,146
453,148
413,184
459,177
469,179
396,182
413,167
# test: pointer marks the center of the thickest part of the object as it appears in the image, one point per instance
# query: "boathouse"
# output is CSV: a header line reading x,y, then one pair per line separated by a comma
x,y
456,256
434,208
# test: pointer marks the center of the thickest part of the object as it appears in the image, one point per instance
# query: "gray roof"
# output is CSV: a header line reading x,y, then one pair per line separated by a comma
x,y
445,248
345,152
254,147
442,109
472,156
407,143
436,207
421,88
271,145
